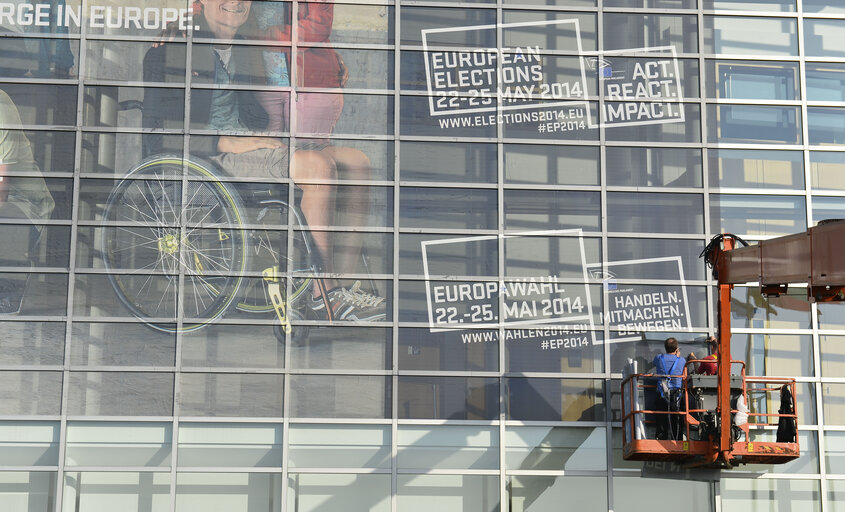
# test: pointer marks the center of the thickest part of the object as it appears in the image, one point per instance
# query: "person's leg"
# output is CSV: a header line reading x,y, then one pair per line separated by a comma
x,y
314,174
351,164
662,419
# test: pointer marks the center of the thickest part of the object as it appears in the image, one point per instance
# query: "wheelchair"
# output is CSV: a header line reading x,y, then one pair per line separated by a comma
x,y
175,237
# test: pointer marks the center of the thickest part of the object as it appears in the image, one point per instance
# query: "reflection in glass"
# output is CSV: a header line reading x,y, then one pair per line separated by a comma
x,y
541,493
337,347
827,170
448,447
120,394
630,493
531,210
833,400
339,446
105,344
340,396
750,168
834,446
459,208
750,308
747,215
221,394
552,165
556,448
22,490
534,399
450,162
648,212
774,354
126,491
741,494
754,124
448,493
832,355
823,38
653,167
338,493
736,35
623,31
828,208
30,393
230,445
457,398
118,444
29,443
826,125
228,491
752,5
32,343
422,349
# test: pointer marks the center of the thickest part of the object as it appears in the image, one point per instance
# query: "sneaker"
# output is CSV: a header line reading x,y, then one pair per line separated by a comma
x,y
351,304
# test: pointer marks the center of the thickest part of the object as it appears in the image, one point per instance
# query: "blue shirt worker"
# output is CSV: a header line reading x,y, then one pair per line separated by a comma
x,y
669,390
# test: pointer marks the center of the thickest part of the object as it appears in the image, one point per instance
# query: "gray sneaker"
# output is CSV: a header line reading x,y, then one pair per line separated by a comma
x,y
351,304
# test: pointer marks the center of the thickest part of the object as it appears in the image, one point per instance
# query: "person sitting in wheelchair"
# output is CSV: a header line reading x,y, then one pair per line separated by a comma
x,y
237,110
23,200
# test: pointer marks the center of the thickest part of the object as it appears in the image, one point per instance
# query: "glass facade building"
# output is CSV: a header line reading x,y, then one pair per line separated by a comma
x,y
501,202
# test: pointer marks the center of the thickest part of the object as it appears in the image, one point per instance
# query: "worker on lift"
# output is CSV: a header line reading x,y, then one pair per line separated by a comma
x,y
709,366
669,389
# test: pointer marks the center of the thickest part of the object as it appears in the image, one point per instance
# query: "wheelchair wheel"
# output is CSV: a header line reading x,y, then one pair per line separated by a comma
x,y
268,250
173,241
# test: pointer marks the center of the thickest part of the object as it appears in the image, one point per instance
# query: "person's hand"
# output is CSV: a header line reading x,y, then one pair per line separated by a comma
x,y
170,32
232,144
343,74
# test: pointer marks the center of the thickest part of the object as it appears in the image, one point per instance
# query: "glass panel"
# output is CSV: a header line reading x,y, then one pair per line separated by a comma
x,y
118,444
539,209
830,316
622,31
556,448
833,402
551,165
338,493
39,104
826,125
823,38
346,396
828,6
687,131
29,443
30,393
832,355
21,490
629,494
339,446
362,24
828,208
736,35
825,81
836,495
117,107
448,493
449,162
656,4
558,349
444,208
643,212
751,309
224,492
230,445
807,463
539,493
233,346
747,215
752,5
38,58
559,37
740,168
95,344
653,167
827,170
774,354
740,494
422,349
52,152
754,124
448,447
129,491
665,251
465,398
834,445
534,399
120,394
220,394
448,255
32,343
337,348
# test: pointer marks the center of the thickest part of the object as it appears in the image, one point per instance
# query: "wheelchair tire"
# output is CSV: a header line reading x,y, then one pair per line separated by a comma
x,y
173,240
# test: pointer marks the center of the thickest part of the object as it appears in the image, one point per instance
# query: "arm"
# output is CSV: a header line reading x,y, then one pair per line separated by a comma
x,y
315,21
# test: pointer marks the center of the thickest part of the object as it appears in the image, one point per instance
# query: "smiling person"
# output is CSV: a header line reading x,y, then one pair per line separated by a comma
x,y
226,110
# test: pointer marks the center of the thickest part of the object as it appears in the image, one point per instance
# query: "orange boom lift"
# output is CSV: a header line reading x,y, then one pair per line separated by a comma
x,y
728,417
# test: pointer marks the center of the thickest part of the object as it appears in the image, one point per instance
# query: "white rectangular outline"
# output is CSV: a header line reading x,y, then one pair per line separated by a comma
x,y
584,103
641,261
502,323
679,100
